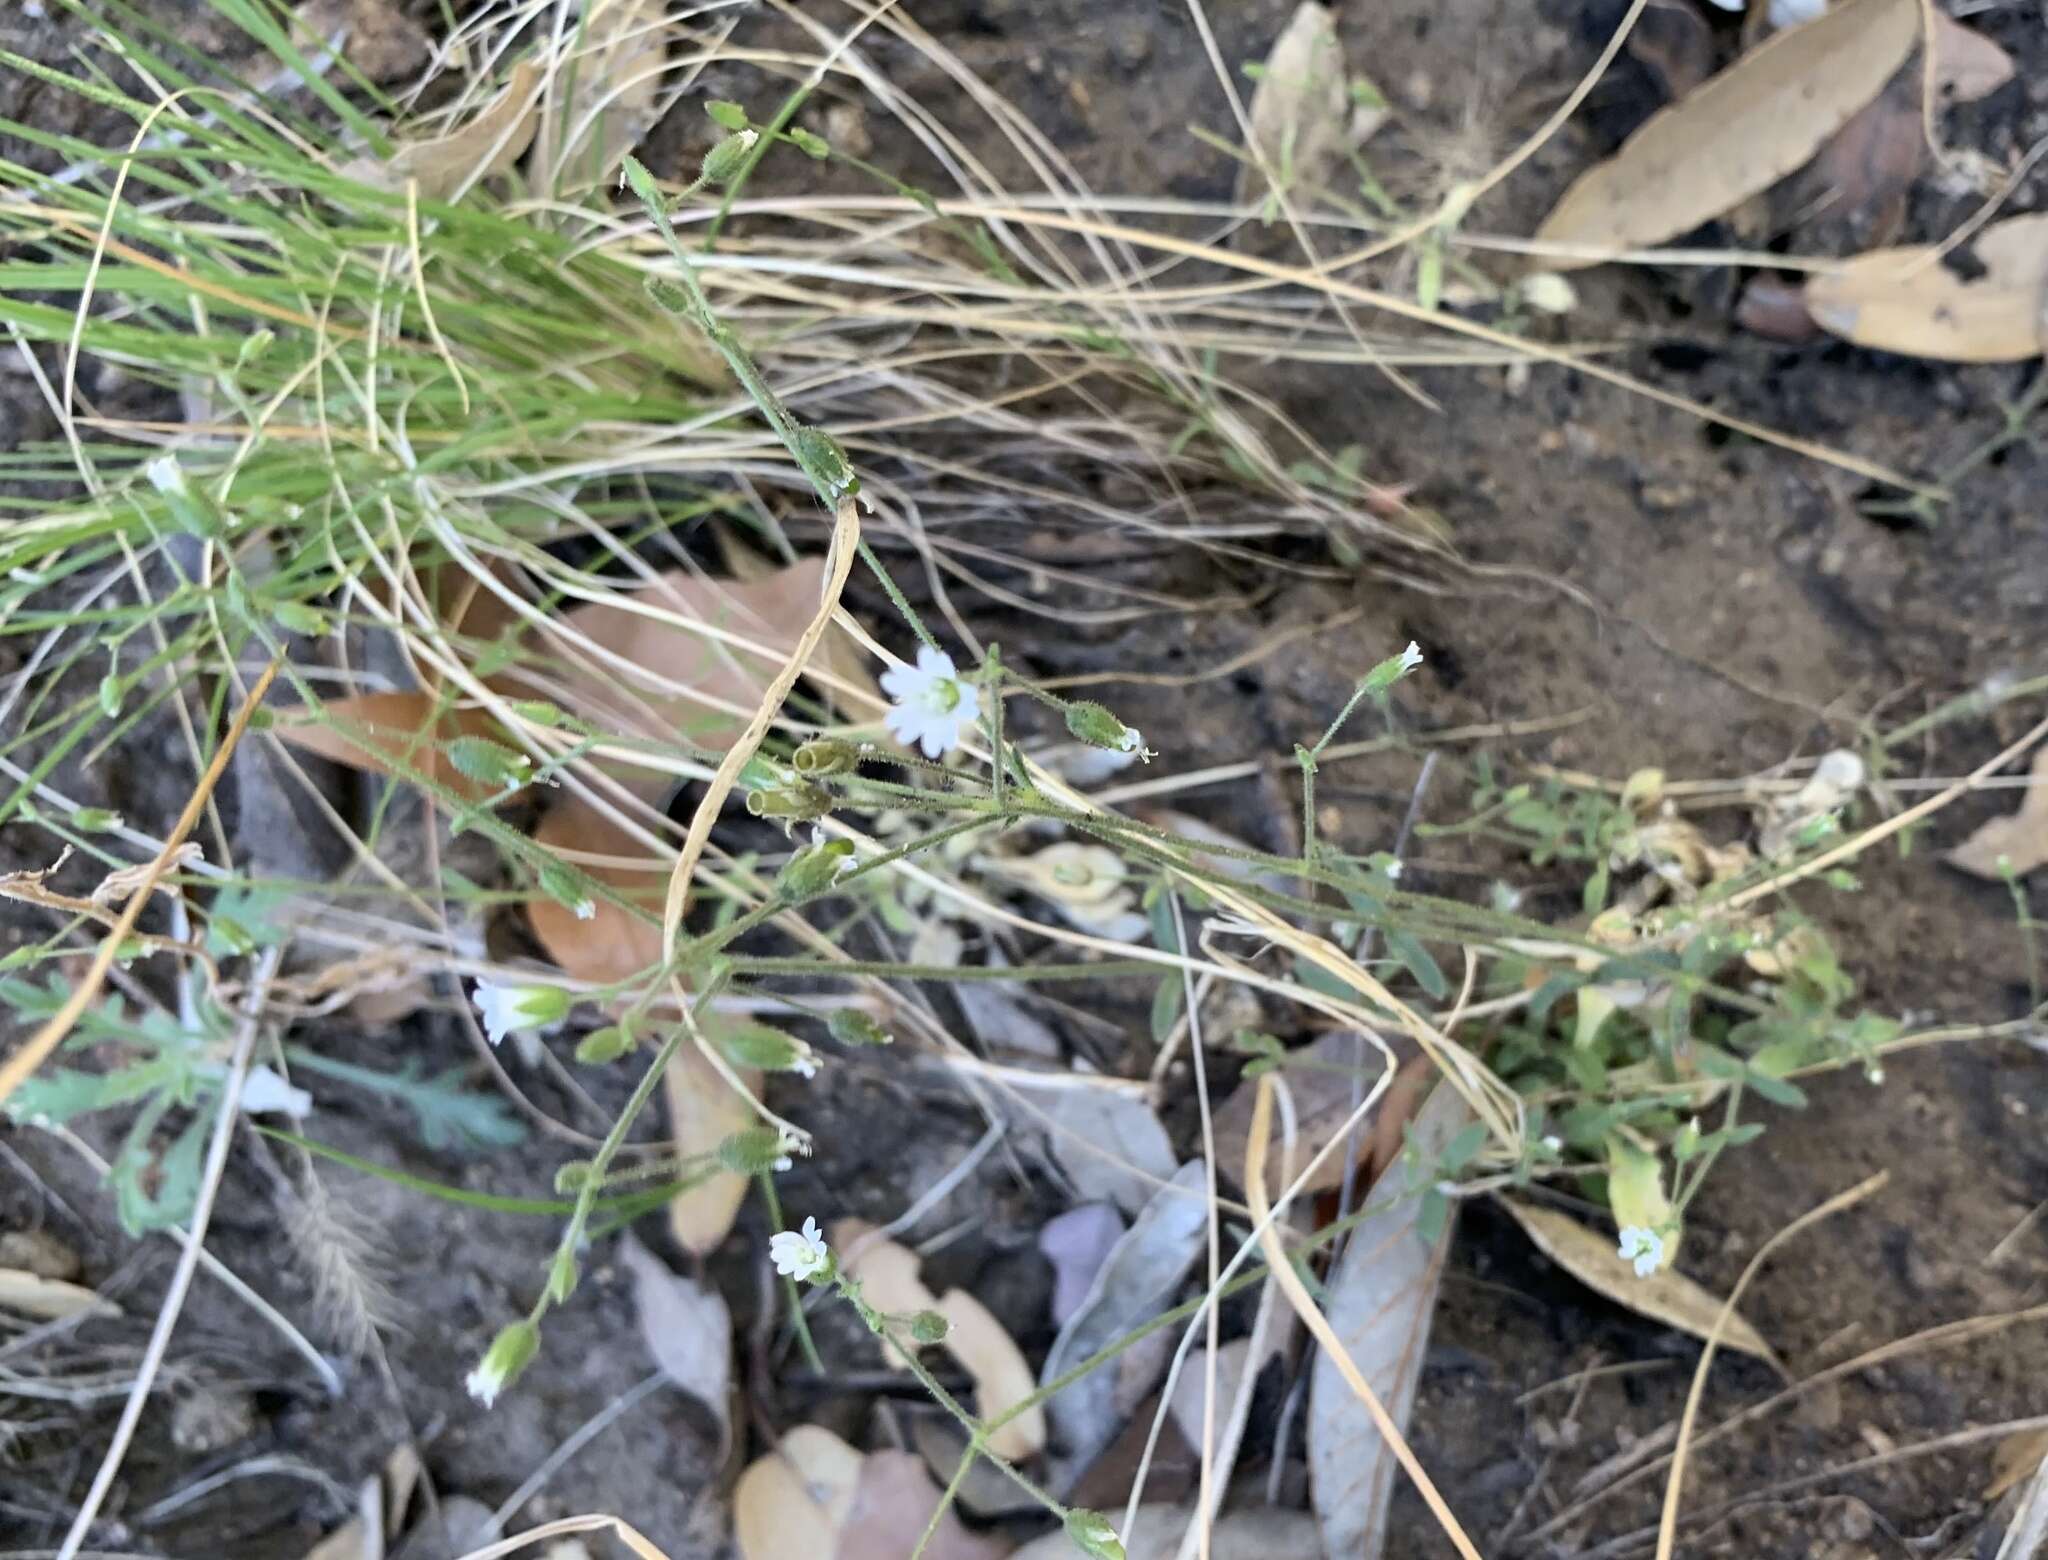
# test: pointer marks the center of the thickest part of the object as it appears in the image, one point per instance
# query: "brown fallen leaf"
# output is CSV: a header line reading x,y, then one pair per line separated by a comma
x,y
1853,195
1665,1296
1323,1078
1775,309
2019,840
1300,109
488,144
839,656
387,734
893,1501
610,944
1905,300
888,1276
2014,1459
1967,65
1674,41
703,1111
793,1503
52,1299
38,1252
659,660
600,102
688,1331
1738,134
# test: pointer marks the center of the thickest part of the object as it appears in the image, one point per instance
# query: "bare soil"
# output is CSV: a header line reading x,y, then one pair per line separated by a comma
x,y
1737,609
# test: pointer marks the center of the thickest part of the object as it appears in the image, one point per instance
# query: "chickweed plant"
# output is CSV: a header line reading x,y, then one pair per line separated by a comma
x,y
328,386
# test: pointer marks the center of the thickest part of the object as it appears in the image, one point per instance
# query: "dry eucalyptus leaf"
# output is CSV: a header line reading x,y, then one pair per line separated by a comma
x,y
1853,195
704,1111
1382,1297
1260,1533
492,141
663,675
1739,133
2014,1459
1967,65
1108,1141
1300,110
1665,1296
688,1331
839,654
1905,300
1675,42
610,944
53,1299
395,737
40,1253
2017,842
1138,1282
1077,1243
892,1502
602,100
1325,1079
888,1276
793,1503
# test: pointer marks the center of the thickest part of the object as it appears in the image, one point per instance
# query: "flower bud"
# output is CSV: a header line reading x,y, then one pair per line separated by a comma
x,y
1093,1535
509,1354
1097,727
728,156
824,756
850,1026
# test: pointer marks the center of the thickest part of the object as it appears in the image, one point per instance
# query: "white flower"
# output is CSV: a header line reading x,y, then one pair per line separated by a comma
x,y
806,1063
505,1009
1394,870
1643,1247
264,1092
784,1163
509,1354
1411,658
932,704
585,909
800,1255
1130,741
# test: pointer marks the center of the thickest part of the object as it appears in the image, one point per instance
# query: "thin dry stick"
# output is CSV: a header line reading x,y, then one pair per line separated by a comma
x,y
1324,1333
1667,1527
188,1260
845,538
594,1522
36,1050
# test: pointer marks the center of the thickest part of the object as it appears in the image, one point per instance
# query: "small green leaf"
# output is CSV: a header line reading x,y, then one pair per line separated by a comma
x,y
110,696
810,145
488,762
1167,1002
301,619
726,115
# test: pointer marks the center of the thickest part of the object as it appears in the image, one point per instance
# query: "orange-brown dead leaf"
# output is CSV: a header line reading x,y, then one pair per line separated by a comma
x,y
394,737
611,944
703,1112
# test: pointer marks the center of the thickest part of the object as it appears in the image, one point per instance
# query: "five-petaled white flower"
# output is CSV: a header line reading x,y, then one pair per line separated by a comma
x,y
800,1255
932,704
1411,658
1645,1248
506,1008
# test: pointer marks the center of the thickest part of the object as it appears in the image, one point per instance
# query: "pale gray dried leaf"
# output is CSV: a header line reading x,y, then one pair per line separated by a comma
x,y
1000,1020
603,98
986,1492
1138,1282
1381,1299
490,142
1259,1533
1738,134
688,1331
1300,110
1592,1257
1077,1243
461,1524
1967,65
53,1299
1108,1141
1905,300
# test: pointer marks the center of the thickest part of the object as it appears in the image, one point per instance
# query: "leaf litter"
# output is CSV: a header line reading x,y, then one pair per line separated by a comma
x,y
1737,134
2015,844
688,1331
1381,1299
1905,300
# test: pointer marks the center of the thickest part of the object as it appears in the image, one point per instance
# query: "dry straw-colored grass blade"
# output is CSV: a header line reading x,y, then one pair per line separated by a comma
x,y
1905,300
1737,134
